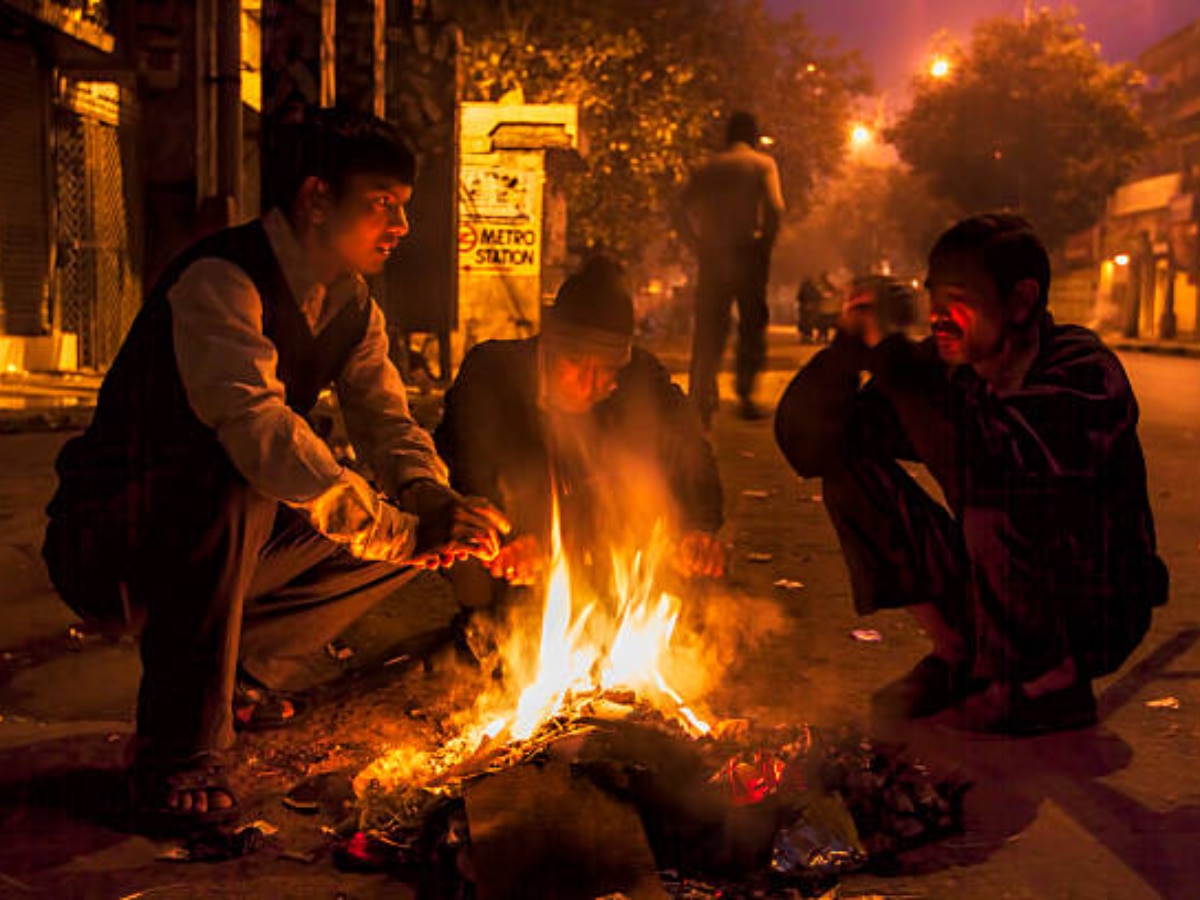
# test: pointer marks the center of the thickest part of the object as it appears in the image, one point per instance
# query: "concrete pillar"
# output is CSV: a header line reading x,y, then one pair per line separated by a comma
x,y
1167,323
328,52
229,103
379,59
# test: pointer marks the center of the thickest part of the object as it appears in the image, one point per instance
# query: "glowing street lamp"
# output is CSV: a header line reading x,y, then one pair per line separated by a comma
x,y
1121,259
861,135
940,67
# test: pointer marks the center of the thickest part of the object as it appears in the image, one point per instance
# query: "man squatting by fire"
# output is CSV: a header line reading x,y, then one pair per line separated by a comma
x,y
200,502
580,417
1043,573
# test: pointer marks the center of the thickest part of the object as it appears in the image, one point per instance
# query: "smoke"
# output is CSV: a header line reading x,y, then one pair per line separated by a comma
x,y
719,628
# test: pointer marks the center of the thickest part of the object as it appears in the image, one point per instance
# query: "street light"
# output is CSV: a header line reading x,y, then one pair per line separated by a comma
x,y
1121,259
861,135
940,67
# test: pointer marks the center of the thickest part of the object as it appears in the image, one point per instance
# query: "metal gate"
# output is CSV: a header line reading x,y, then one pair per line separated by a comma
x,y
98,293
24,219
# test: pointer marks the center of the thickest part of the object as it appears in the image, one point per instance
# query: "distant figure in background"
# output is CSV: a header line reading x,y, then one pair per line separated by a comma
x,y
817,309
729,215
808,301
1042,574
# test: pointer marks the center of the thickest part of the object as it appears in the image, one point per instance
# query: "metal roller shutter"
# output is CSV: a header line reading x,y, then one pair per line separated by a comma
x,y
24,217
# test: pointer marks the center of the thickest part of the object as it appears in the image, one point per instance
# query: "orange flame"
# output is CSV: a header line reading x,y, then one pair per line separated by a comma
x,y
584,649
596,649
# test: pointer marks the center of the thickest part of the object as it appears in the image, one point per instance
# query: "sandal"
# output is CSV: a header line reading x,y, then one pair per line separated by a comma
x,y
1005,709
152,783
261,709
931,686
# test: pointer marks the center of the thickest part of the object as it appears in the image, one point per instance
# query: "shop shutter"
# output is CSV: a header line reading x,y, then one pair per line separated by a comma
x,y
24,214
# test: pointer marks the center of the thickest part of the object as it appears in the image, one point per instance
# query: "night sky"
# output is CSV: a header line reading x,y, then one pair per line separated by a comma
x,y
893,35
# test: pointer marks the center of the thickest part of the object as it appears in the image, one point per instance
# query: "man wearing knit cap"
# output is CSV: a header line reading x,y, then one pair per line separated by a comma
x,y
581,416
729,215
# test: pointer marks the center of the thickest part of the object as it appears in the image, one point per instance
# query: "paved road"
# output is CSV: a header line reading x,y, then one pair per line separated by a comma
x,y
1109,813
1168,391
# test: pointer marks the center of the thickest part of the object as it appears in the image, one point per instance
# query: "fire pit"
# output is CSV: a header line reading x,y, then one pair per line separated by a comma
x,y
586,773
618,800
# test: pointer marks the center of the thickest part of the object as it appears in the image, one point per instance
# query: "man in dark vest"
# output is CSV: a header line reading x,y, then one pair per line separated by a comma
x,y
202,507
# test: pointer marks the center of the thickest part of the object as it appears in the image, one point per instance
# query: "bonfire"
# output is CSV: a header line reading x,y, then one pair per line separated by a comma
x,y
586,769
592,656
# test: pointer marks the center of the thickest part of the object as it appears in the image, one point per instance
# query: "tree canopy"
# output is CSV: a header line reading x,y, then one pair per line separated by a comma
x,y
1028,118
863,218
654,83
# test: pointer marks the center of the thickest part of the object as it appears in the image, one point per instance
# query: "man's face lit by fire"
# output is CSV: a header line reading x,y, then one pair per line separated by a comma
x,y
367,220
575,382
966,313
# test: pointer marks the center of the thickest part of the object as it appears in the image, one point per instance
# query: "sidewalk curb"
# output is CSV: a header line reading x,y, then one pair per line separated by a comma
x,y
35,420
1188,351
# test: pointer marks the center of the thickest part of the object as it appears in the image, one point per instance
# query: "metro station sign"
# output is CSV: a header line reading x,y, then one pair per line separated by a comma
x,y
499,230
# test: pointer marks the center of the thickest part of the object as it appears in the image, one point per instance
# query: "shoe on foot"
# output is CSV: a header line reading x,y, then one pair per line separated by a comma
x,y
933,685
706,409
750,411
1004,708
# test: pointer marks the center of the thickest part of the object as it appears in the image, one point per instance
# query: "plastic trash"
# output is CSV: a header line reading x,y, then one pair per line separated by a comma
x,y
1164,703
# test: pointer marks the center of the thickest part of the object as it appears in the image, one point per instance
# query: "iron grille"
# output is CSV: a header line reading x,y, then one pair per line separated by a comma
x,y
74,278
98,291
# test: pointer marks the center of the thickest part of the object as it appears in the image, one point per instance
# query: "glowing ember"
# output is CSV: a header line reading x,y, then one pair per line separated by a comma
x,y
587,647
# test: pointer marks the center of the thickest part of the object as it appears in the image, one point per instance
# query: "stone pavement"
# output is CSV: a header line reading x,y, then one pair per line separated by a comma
x,y
1185,348
1112,812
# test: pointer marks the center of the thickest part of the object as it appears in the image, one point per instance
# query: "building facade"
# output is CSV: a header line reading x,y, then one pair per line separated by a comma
x,y
129,128
1144,253
69,210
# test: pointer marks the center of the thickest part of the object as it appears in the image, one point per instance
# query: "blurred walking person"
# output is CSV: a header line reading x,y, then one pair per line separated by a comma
x,y
729,215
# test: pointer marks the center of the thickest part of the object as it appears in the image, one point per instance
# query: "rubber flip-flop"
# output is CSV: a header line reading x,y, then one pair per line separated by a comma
x,y
151,783
259,709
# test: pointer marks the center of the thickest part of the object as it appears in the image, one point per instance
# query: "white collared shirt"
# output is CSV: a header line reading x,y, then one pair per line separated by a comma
x,y
228,369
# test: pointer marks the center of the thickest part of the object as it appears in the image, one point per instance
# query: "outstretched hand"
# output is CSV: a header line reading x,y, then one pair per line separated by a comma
x,y
700,555
519,562
452,528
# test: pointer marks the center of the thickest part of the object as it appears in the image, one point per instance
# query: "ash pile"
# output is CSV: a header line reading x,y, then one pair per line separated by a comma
x,y
616,800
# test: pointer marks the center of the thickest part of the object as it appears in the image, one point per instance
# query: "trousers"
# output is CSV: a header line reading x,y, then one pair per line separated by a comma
x,y
221,577
1004,590
733,275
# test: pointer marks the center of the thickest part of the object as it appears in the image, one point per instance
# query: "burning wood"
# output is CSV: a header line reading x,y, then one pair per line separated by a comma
x,y
586,728
742,808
